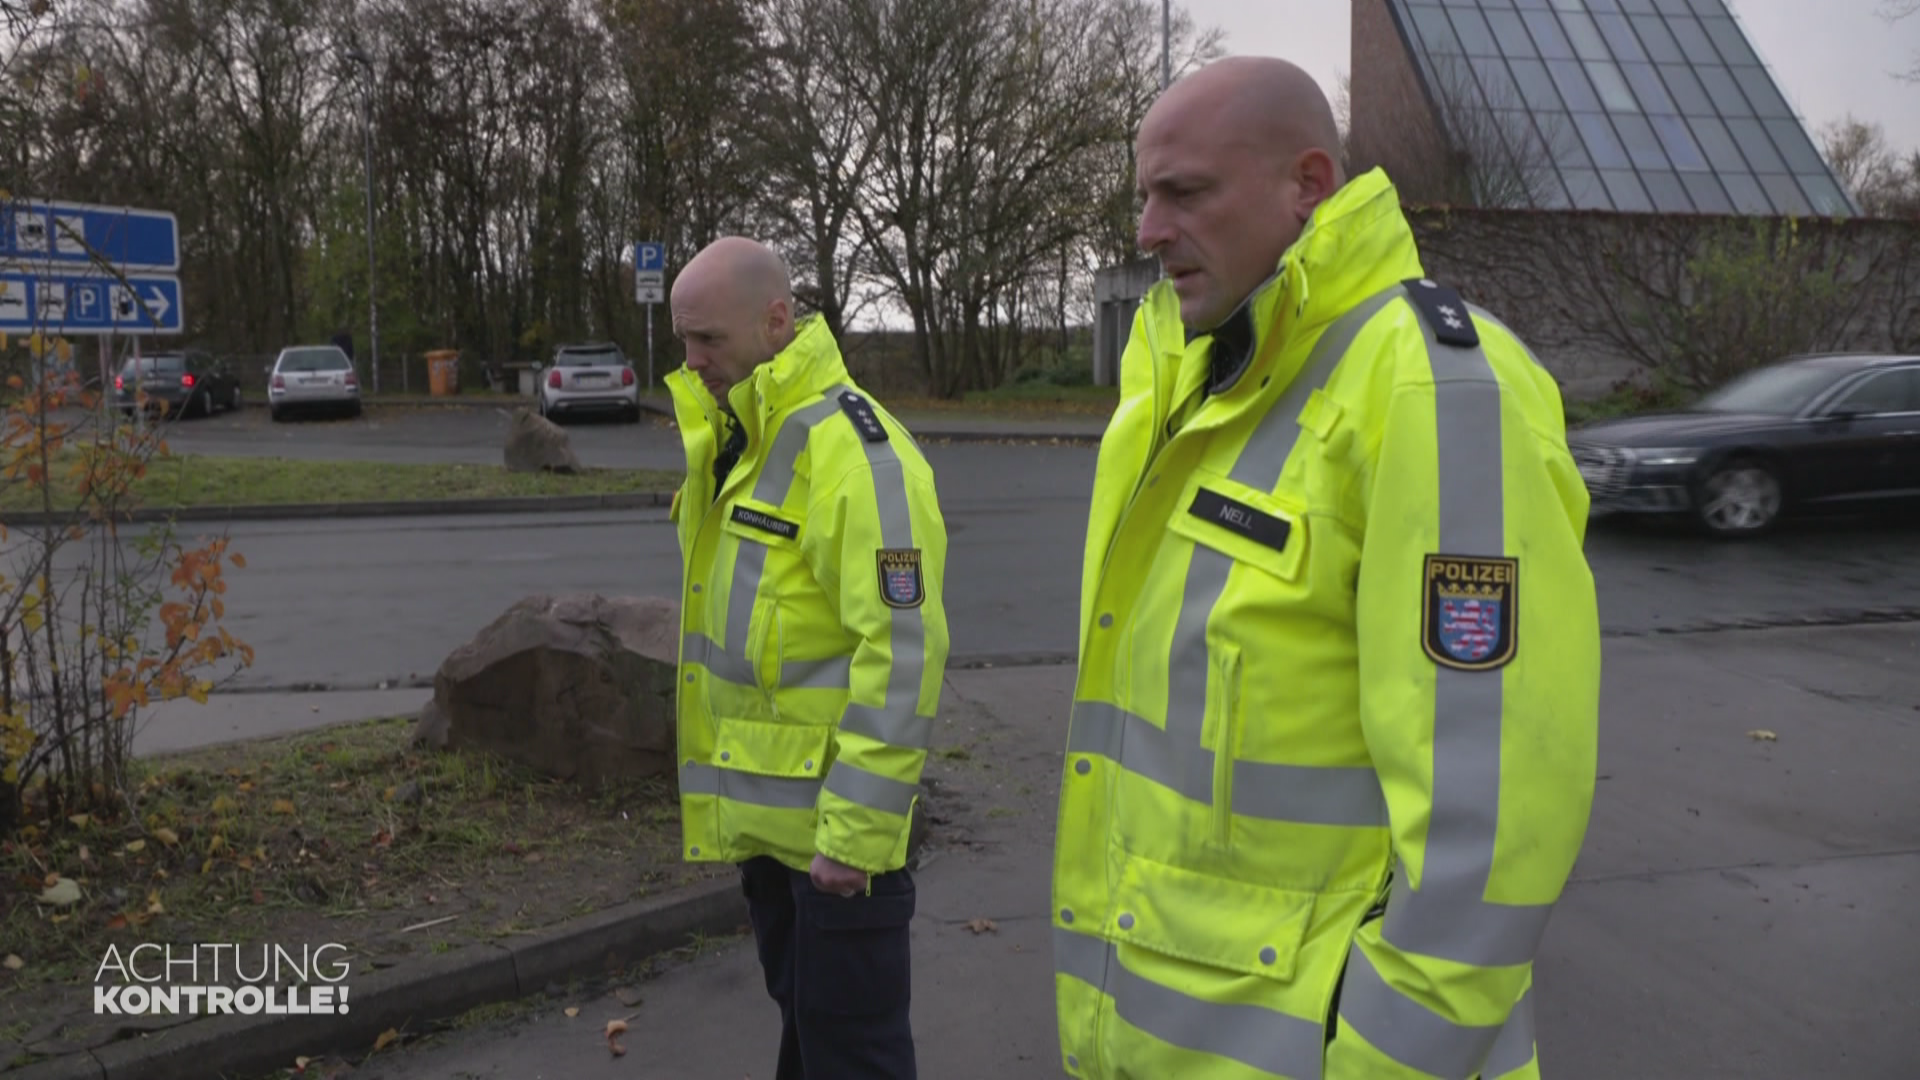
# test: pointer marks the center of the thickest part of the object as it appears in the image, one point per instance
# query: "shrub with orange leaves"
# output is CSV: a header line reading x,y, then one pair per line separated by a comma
x,y
98,619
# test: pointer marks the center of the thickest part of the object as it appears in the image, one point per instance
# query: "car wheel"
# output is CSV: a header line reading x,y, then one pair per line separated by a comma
x,y
233,399
1740,497
353,411
277,413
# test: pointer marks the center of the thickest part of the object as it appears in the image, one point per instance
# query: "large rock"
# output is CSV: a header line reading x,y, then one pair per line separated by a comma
x,y
535,443
577,686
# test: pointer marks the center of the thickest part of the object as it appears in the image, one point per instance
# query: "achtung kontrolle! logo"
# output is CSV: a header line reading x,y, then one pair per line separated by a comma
x,y
199,980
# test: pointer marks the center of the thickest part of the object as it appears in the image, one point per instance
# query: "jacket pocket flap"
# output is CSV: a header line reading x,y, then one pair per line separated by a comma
x,y
1249,526
762,523
772,748
1234,925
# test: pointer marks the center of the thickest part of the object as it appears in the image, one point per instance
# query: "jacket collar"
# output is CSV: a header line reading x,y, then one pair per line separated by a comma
x,y
1356,244
810,365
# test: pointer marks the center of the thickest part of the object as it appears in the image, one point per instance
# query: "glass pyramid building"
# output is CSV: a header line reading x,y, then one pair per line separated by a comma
x,y
1652,106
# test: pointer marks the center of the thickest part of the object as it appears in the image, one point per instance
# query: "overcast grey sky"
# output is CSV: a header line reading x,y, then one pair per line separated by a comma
x,y
1828,64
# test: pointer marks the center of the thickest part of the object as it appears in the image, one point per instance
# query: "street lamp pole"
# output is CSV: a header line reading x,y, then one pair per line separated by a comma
x,y
373,295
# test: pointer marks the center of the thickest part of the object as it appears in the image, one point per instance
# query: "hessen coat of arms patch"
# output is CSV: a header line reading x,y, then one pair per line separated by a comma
x,y
901,584
1468,611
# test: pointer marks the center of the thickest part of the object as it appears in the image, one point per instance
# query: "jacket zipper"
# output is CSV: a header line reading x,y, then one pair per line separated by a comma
x,y
1226,691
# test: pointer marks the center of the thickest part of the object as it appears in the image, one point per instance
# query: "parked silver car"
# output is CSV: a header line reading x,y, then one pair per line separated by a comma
x,y
312,377
590,379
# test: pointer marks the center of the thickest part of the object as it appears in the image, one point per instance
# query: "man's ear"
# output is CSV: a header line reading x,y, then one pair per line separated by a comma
x,y
1318,176
779,324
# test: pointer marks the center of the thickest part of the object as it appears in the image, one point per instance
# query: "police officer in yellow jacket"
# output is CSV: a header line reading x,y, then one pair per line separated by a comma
x,y
813,648
1334,732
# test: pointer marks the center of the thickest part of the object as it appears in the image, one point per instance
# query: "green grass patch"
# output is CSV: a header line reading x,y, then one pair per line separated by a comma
x,y
347,834
1025,401
179,481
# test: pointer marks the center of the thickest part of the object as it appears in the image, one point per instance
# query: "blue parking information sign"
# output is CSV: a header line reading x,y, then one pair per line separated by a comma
x,y
143,304
649,256
77,268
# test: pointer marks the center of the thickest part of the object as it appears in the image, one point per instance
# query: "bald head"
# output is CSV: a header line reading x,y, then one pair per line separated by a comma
x,y
1232,160
1265,104
733,306
742,271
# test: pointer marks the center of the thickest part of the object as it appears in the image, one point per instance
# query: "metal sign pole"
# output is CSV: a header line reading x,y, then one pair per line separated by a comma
x,y
649,348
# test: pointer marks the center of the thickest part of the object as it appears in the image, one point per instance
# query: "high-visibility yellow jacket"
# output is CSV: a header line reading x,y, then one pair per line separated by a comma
x,y
1329,764
813,634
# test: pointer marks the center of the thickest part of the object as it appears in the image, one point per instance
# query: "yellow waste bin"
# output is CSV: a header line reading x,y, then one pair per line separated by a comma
x,y
443,372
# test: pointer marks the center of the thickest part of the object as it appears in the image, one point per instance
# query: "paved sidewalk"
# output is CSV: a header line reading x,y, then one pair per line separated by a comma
x,y
1743,908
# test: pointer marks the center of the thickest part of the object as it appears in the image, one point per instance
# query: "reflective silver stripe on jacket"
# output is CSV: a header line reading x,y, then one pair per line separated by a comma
x,y
896,720
1448,917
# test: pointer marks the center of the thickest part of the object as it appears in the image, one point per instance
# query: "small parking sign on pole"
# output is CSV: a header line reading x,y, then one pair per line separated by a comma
x,y
650,287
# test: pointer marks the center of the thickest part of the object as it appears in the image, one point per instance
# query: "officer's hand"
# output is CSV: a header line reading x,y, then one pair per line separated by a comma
x,y
837,878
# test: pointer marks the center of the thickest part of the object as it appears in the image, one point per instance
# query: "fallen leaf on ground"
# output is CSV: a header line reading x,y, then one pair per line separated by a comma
x,y
118,922
573,1010
136,847
62,893
1763,735
615,1027
154,907
14,963
79,821
628,996
385,1040
983,926
283,806
166,836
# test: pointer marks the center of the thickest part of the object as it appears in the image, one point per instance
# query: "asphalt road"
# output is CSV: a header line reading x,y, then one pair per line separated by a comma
x,y
358,603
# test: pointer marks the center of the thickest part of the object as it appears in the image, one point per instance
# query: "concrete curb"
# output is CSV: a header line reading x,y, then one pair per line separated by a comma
x,y
523,504
434,987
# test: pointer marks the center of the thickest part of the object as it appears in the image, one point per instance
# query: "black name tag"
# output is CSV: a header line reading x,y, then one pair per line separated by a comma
x,y
1237,517
754,519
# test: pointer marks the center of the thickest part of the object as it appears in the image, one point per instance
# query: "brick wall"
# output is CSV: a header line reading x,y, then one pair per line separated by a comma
x,y
1571,283
1392,125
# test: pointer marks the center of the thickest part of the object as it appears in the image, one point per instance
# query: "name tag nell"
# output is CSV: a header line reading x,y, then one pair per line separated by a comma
x,y
1237,517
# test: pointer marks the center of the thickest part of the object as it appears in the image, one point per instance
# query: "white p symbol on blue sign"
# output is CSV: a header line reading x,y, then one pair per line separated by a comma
x,y
649,256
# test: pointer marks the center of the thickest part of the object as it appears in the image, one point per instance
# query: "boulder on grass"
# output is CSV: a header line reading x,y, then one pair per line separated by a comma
x,y
580,687
536,444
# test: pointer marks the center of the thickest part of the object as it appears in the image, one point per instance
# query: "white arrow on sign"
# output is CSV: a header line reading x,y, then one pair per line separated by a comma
x,y
158,302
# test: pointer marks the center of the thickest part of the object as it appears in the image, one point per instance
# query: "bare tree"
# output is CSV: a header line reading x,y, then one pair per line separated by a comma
x,y
1884,184
1893,11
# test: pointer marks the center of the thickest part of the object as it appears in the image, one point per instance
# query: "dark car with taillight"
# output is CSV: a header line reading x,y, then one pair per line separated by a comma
x,y
1806,435
188,382
591,379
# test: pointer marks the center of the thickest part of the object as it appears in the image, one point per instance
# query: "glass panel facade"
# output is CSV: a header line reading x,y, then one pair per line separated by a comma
x,y
1650,106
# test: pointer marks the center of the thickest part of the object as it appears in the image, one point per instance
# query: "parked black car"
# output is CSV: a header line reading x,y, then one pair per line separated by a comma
x,y
182,382
1809,434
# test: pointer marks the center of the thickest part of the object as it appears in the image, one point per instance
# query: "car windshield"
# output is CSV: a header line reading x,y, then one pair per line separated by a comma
x,y
589,356
162,364
1782,390
314,360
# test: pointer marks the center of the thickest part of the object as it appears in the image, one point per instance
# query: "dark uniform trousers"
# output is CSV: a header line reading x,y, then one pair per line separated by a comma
x,y
839,969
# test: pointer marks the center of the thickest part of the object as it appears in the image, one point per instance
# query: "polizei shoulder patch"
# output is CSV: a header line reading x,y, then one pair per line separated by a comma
x,y
1469,610
901,583
862,415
